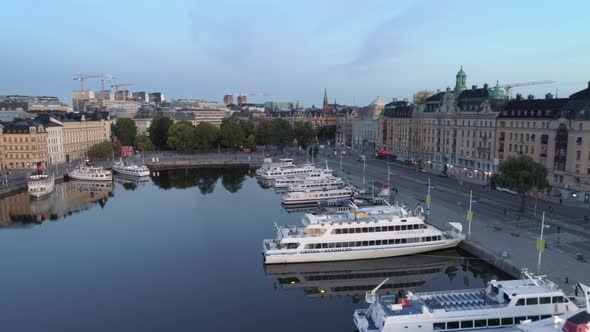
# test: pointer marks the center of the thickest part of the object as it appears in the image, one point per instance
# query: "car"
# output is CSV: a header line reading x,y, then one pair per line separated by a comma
x,y
442,175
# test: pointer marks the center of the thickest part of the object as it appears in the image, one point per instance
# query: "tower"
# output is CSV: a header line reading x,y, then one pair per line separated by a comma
x,y
461,78
325,109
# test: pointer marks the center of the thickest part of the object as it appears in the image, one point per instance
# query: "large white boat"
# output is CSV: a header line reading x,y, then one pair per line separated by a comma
x,y
269,164
361,233
87,171
129,169
317,175
314,197
501,304
278,172
315,185
40,184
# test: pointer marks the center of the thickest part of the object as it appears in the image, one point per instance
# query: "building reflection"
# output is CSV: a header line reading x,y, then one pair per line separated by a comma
x,y
67,198
354,278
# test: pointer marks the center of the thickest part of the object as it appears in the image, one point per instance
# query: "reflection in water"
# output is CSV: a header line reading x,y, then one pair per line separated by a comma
x,y
204,178
131,182
68,197
354,278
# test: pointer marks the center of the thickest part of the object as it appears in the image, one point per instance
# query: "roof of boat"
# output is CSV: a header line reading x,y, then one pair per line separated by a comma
x,y
538,285
372,213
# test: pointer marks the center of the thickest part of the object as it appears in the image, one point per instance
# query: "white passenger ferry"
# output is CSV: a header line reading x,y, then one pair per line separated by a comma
x,y
500,304
40,184
88,172
317,175
269,164
129,169
315,185
371,232
314,197
278,172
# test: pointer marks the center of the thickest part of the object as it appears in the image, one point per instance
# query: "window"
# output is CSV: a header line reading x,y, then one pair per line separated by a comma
x,y
466,324
558,299
579,141
480,323
508,321
532,301
438,326
371,243
533,318
545,316
452,325
494,322
520,302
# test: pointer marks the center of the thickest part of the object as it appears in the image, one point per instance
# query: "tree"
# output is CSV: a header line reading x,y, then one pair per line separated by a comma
x,y
125,130
231,133
521,174
144,143
205,135
180,136
158,131
281,133
304,134
247,128
263,133
102,150
327,133
250,143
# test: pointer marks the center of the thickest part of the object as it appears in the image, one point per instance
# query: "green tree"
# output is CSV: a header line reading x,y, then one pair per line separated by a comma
x,y
102,150
231,133
205,135
247,128
263,133
125,130
181,136
158,131
304,134
250,143
144,143
281,133
327,133
521,174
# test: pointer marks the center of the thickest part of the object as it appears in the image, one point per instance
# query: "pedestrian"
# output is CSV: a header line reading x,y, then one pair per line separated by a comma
x,y
567,280
560,200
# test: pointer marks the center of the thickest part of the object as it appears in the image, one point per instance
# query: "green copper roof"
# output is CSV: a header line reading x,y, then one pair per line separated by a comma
x,y
461,72
497,92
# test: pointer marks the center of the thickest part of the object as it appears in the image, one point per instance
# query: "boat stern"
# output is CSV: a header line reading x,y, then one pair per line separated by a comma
x,y
363,322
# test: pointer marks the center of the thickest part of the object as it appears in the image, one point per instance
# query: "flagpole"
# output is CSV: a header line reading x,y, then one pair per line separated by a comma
x,y
428,202
470,213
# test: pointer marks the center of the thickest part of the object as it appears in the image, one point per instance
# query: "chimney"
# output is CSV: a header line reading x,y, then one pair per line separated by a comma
x,y
474,87
530,97
518,96
486,86
548,96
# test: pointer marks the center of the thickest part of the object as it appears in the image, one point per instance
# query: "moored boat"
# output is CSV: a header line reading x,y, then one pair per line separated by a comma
x,y
130,169
88,172
41,182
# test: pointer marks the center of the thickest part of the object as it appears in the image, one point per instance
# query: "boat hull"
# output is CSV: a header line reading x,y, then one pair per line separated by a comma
x,y
344,254
307,201
133,174
76,176
40,188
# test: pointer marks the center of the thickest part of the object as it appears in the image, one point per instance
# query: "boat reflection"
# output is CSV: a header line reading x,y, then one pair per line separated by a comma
x,y
131,182
67,198
354,278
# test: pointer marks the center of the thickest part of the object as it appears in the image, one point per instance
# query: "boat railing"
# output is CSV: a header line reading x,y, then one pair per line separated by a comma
x,y
456,291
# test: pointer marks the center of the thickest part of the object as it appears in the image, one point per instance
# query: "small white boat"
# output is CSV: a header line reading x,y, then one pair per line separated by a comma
x,y
268,164
129,169
314,185
278,172
88,172
317,175
313,197
40,184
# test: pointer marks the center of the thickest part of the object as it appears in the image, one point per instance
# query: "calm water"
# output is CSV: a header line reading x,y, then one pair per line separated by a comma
x,y
182,252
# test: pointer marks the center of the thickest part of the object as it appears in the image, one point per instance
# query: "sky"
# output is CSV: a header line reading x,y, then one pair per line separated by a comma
x,y
291,50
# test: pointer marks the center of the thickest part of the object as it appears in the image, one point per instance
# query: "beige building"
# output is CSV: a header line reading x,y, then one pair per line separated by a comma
x,y
25,144
81,132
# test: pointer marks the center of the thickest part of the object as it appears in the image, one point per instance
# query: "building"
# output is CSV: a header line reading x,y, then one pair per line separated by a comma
x,y
82,131
84,101
24,144
343,121
196,116
395,124
123,110
123,95
55,143
33,104
142,125
228,99
365,128
156,98
242,99
142,97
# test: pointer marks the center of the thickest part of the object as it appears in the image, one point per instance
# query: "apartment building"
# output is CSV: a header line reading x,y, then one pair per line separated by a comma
x,y
24,144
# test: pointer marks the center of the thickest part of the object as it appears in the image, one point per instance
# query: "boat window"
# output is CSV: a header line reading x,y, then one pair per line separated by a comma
x,y
404,240
518,320
544,300
520,302
377,229
324,245
532,301
397,241
466,324
390,228
338,244
365,230
292,245
359,244
558,299
377,242
318,246
438,326
507,298
337,231
404,220
480,323
365,243
545,316
371,243
533,318
331,245
452,325
345,231
404,227
494,322
397,228
391,241
494,289
508,321
371,229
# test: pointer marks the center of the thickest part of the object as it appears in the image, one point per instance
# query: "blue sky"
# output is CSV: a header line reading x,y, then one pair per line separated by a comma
x,y
292,50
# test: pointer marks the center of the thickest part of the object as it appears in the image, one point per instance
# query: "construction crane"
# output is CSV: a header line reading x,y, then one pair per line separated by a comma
x,y
509,86
83,77
116,86
251,94
102,78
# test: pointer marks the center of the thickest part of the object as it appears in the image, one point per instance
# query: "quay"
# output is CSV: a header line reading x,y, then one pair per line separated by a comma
x,y
158,162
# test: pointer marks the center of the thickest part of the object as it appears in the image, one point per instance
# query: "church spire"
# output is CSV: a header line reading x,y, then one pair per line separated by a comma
x,y
460,82
325,109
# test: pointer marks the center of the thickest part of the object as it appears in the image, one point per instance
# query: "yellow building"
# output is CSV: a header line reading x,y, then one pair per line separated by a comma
x,y
80,132
24,144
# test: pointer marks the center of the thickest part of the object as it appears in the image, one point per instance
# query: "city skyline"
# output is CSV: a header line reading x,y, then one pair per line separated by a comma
x,y
292,51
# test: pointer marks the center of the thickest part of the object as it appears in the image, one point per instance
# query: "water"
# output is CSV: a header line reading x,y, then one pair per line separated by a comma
x,y
182,252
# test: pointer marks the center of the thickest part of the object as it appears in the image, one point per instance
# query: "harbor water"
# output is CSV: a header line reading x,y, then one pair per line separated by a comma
x,y
181,251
